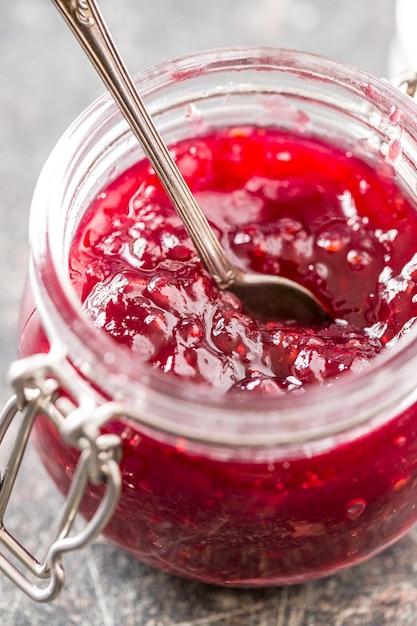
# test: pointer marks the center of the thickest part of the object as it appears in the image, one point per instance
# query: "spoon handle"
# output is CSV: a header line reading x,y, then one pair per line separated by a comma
x,y
86,22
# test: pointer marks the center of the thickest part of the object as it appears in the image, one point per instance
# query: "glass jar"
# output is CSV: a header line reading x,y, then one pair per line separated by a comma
x,y
254,493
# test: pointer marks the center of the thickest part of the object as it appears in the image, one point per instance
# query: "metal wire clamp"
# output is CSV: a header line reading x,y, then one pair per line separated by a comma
x,y
45,386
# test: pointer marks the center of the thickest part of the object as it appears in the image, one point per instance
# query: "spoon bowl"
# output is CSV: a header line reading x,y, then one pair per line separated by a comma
x,y
264,297
268,298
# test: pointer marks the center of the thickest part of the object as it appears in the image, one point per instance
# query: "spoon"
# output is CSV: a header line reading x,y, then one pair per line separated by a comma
x,y
265,297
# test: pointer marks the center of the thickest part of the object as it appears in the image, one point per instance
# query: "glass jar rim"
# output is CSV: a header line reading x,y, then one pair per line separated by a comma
x,y
149,395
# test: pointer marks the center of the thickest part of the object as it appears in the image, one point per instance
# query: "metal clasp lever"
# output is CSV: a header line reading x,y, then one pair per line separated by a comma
x,y
406,82
39,383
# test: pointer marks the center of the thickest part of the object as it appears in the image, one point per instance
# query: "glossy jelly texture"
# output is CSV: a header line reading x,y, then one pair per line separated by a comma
x,y
280,203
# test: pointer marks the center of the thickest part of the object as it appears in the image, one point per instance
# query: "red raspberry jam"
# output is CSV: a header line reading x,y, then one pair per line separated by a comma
x,y
279,203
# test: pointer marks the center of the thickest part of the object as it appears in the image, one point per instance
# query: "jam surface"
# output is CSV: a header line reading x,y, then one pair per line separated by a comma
x,y
280,204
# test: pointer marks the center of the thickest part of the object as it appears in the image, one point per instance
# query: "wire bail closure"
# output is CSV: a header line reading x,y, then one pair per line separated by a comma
x,y
406,83
47,386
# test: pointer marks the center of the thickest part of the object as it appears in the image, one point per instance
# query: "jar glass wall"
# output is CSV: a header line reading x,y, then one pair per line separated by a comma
x,y
216,488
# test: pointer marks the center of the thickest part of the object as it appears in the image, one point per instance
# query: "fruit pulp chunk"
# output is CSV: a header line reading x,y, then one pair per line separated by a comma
x,y
279,203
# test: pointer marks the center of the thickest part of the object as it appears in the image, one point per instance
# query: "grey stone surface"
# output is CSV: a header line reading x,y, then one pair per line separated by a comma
x,y
44,83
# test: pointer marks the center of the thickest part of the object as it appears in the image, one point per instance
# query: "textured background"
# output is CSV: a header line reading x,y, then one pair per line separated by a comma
x,y
45,82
